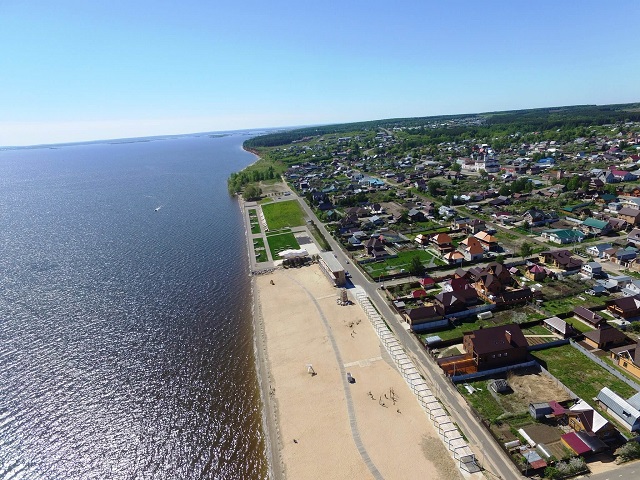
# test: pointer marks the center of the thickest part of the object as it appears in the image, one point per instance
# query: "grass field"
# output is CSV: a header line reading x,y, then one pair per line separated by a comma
x,y
255,222
578,325
261,252
283,214
278,243
584,377
562,305
403,261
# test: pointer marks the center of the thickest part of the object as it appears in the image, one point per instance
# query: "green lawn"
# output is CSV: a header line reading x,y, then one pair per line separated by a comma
x,y
562,305
283,214
278,243
584,377
260,251
536,330
578,325
402,261
255,222
482,400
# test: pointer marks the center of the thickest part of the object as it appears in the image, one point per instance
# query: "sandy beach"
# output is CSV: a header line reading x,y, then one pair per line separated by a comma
x,y
320,425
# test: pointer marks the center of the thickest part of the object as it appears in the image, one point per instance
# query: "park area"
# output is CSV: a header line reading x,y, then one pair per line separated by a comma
x,y
255,222
280,215
281,241
260,251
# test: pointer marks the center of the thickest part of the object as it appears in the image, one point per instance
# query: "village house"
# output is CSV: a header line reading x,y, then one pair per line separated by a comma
x,y
425,318
535,272
628,358
588,316
442,242
496,346
591,269
582,417
625,307
472,249
488,242
563,235
634,236
629,215
605,337
627,412
592,226
597,250
560,259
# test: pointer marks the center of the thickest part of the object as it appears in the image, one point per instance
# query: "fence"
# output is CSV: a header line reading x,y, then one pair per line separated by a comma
x,y
447,430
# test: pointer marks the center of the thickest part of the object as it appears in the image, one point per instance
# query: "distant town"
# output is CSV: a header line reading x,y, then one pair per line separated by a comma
x,y
507,245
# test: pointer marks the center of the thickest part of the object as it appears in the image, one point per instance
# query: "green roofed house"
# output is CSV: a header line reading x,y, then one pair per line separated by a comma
x,y
563,236
592,226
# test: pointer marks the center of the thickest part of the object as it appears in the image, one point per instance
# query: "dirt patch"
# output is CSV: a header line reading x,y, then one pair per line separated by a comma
x,y
533,388
541,433
503,432
273,189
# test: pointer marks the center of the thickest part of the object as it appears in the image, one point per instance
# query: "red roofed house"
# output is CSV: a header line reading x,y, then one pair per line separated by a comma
x,y
488,242
472,249
442,242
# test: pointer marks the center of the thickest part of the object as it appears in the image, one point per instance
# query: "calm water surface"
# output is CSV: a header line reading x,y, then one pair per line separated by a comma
x,y
125,332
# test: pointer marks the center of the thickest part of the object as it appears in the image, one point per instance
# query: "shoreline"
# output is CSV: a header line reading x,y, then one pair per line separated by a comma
x,y
268,407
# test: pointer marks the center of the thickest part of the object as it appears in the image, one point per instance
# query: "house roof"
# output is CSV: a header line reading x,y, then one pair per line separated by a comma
x,y
558,324
441,238
619,406
494,339
588,315
575,443
423,313
454,255
593,223
605,334
591,419
592,441
485,237
626,304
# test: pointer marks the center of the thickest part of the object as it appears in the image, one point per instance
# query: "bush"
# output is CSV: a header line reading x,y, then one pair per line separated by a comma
x,y
628,451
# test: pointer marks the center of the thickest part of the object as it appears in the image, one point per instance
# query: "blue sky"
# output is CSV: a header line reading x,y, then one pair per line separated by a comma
x,y
78,70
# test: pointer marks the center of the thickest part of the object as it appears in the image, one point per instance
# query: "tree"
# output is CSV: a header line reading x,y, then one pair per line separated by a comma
x,y
483,173
416,267
433,186
504,191
251,192
526,250
456,167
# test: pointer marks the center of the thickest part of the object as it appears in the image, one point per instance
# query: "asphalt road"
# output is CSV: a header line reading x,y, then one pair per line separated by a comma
x,y
491,456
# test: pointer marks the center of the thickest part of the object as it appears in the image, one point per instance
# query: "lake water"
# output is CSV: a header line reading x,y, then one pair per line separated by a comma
x,y
126,344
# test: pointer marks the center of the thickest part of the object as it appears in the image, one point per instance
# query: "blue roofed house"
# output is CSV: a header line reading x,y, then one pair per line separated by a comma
x,y
625,411
546,162
597,251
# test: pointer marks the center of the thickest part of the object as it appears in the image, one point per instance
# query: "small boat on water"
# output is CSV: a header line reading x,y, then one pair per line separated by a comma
x,y
157,208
